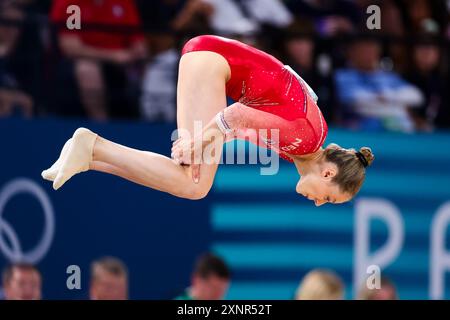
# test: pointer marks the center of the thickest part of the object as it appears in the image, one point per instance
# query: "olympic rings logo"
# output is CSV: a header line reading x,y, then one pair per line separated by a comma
x,y
12,249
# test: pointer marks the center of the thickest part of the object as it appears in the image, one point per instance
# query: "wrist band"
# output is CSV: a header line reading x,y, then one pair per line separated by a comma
x,y
222,124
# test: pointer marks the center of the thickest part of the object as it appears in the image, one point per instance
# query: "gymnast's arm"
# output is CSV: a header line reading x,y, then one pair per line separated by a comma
x,y
239,116
229,122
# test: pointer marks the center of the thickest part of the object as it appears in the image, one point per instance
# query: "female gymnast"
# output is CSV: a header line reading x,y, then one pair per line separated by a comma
x,y
268,95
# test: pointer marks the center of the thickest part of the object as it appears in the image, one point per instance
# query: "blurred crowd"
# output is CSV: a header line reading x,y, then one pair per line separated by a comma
x,y
210,280
122,63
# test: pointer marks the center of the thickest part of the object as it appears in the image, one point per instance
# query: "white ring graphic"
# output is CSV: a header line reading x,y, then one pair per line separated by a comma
x,y
13,252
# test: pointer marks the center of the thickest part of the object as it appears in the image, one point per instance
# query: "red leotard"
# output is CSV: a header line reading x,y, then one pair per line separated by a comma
x,y
260,81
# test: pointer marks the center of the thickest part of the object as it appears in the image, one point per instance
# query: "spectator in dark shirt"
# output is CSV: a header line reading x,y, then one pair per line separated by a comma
x,y
299,52
166,23
330,17
426,74
13,98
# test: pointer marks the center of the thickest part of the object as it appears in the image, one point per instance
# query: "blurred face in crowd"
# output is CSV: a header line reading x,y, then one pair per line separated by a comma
x,y
419,10
108,286
385,293
365,55
25,284
426,57
300,51
8,34
211,287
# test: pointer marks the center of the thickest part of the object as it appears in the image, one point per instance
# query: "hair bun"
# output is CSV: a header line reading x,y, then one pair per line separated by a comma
x,y
367,154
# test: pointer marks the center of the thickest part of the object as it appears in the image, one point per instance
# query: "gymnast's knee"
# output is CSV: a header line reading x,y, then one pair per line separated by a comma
x,y
195,191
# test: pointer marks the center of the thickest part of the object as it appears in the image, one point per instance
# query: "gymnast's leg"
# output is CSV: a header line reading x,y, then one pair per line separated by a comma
x,y
200,96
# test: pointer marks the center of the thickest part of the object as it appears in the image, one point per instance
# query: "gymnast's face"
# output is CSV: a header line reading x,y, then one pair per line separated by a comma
x,y
318,186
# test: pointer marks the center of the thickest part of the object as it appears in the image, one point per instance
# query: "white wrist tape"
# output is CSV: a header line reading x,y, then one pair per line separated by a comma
x,y
222,124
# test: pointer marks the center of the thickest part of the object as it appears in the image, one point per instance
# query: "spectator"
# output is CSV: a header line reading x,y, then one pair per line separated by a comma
x,y
163,20
447,28
22,281
209,281
159,87
387,291
393,27
175,15
421,15
12,95
372,98
100,56
329,17
300,52
392,21
245,17
426,74
320,285
109,280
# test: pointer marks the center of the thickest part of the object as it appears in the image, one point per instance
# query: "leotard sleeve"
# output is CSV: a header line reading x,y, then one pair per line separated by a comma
x,y
266,129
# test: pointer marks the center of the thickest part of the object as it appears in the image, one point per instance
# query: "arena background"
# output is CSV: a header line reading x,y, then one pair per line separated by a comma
x,y
269,235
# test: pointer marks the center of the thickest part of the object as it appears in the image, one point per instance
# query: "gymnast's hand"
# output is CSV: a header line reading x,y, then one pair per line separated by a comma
x,y
186,151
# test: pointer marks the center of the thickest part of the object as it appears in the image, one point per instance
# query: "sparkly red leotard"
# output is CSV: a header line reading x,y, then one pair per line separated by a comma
x,y
260,81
